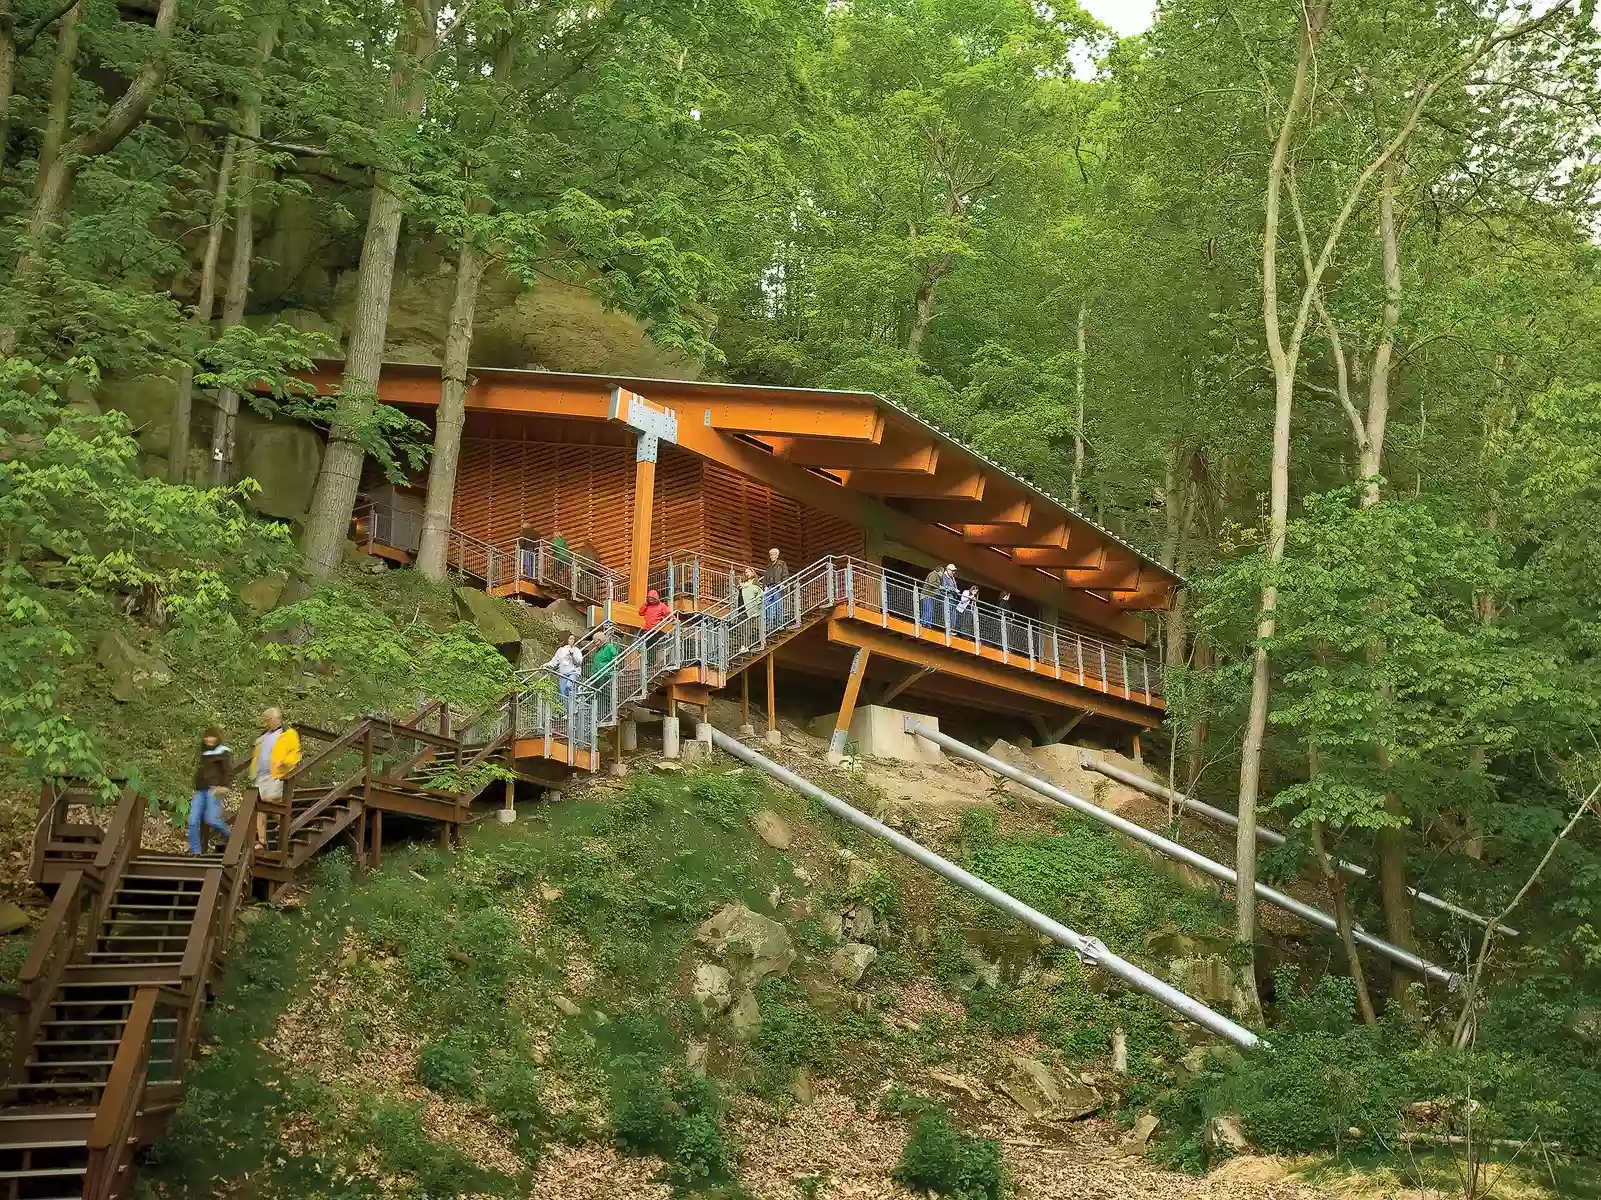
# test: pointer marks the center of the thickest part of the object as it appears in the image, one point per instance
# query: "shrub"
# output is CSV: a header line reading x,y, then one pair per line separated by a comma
x,y
449,1065
512,1090
726,800
939,1158
681,1123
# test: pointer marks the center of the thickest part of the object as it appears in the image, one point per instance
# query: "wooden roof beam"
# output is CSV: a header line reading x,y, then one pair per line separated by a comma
x,y
1120,572
1086,557
1043,530
839,419
961,483
994,511
899,451
1151,595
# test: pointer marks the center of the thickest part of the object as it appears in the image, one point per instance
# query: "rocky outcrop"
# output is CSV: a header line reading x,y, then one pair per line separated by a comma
x,y
282,456
133,671
850,962
750,944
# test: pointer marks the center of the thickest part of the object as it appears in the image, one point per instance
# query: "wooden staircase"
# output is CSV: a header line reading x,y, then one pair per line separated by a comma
x,y
110,1000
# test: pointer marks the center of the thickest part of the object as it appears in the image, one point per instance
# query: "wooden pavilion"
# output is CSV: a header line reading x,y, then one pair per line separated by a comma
x,y
636,473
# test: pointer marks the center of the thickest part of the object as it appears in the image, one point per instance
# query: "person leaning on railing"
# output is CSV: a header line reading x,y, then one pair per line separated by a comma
x,y
773,578
602,657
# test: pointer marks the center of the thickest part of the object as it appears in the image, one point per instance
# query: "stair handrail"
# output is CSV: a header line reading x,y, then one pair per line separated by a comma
x,y
118,847
63,937
118,1111
237,859
197,946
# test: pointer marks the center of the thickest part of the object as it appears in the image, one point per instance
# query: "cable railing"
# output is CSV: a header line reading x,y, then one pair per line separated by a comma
x,y
537,561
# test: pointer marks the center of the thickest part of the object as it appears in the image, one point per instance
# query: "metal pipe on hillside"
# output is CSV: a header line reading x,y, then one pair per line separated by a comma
x,y
1181,853
1090,950
1272,837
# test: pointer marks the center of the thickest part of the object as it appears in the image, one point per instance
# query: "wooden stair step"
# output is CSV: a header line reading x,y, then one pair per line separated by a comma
x,y
79,1064
45,1172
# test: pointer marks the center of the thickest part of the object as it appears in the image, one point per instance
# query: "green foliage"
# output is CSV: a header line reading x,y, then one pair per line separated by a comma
x,y
84,535
449,1065
939,1158
727,799
679,1120
792,1034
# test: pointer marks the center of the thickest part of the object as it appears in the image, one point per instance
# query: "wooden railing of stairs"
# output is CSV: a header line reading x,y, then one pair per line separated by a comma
x,y
108,1006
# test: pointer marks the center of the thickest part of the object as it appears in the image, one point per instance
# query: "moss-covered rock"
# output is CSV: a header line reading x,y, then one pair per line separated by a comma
x,y
484,613
284,457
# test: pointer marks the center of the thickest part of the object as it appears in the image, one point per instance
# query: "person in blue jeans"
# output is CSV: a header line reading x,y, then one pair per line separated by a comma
x,y
213,772
940,595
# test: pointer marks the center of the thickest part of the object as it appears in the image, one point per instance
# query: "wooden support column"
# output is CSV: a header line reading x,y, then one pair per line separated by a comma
x,y
900,685
847,706
745,727
1050,737
644,502
1137,757
773,736
377,838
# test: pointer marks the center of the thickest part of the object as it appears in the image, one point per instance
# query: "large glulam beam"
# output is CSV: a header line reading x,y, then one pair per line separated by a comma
x,y
839,420
1041,531
1120,572
899,451
1090,556
993,510
959,483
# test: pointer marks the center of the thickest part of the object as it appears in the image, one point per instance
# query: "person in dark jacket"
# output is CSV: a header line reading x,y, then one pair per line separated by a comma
x,y
654,610
773,578
213,772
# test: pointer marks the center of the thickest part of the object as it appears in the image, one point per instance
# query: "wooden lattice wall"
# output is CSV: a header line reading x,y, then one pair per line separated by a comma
x,y
586,493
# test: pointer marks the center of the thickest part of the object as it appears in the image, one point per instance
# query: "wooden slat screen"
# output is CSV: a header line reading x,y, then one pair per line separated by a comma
x,y
586,493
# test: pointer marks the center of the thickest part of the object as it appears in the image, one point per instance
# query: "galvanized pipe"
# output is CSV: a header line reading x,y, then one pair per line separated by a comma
x,y
1090,950
1263,834
1180,853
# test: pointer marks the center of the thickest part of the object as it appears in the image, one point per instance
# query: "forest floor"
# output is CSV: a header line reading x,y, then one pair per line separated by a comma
x,y
521,1018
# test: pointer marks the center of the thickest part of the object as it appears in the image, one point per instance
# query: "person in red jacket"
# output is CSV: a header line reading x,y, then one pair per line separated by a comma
x,y
654,610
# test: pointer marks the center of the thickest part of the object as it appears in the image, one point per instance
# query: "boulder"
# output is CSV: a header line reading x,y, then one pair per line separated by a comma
x,y
1224,1133
695,1058
1585,1025
147,401
773,829
565,1006
745,1018
827,997
802,1088
282,456
133,671
262,595
711,989
1039,1092
1199,966
755,944
850,962
12,919
858,923
1137,1138
566,617
483,613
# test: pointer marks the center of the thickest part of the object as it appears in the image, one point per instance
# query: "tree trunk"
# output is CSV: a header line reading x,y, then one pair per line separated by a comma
x,y
452,414
1078,411
244,251
1391,842
59,109
925,305
1342,915
340,477
8,75
1283,360
182,402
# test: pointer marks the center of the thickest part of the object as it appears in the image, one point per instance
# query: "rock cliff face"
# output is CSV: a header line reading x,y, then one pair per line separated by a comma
x,y
306,279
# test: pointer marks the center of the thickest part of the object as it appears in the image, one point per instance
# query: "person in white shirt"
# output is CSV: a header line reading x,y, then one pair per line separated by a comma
x,y
568,663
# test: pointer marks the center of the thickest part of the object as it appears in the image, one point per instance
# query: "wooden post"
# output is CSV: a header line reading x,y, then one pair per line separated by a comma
x,y
847,706
1137,757
644,502
377,838
773,736
744,702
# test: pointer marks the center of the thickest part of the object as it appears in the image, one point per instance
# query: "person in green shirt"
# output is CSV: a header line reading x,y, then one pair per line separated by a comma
x,y
601,657
564,562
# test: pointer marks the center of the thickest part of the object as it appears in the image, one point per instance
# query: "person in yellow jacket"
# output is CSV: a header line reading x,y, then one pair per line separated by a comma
x,y
277,754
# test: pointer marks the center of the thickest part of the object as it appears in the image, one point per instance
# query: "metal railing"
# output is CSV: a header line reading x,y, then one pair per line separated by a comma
x,y
874,593
539,562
